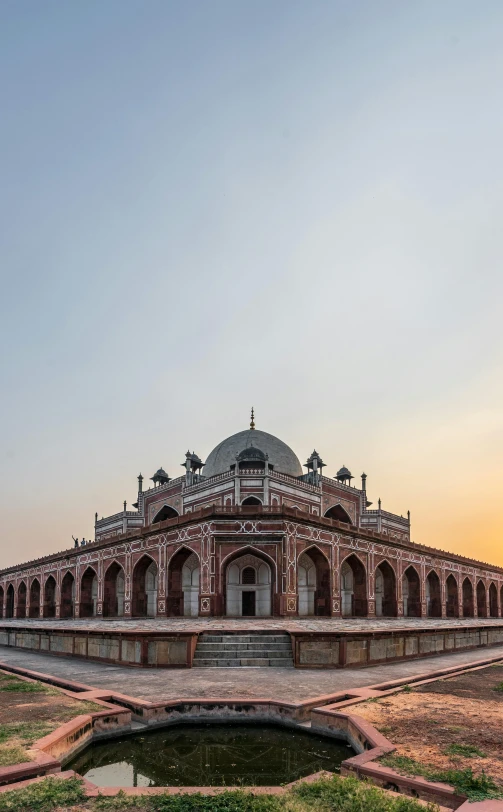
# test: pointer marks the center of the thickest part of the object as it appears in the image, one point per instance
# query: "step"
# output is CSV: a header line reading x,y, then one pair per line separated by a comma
x,y
233,654
228,645
243,663
243,638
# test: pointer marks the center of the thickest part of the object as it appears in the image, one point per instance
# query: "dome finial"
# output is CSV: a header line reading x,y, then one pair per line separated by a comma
x,y
252,421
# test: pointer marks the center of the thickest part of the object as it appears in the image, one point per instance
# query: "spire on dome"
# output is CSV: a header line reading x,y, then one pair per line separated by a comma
x,y
252,421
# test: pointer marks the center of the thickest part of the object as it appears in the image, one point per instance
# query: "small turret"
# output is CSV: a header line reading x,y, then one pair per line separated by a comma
x,y
344,475
160,477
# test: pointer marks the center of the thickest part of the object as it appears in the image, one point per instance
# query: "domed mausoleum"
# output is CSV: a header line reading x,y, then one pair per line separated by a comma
x,y
252,532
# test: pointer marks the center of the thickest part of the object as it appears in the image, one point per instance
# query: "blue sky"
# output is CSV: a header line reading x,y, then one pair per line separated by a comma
x,y
209,205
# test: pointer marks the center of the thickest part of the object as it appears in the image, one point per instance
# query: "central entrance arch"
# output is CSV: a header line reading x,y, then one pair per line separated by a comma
x,y
248,586
313,578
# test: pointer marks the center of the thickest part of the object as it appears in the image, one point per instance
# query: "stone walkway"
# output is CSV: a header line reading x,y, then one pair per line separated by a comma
x,y
250,683
308,624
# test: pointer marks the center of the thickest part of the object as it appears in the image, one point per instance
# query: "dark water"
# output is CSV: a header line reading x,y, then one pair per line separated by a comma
x,y
209,755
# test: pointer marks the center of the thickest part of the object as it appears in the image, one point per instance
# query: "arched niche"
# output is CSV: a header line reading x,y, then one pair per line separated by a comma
x,y
251,500
433,595
468,605
313,579
35,598
183,584
88,593
493,600
21,600
452,597
411,593
481,600
2,598
166,512
385,590
144,602
114,586
67,595
248,586
353,588
50,597
338,513
9,601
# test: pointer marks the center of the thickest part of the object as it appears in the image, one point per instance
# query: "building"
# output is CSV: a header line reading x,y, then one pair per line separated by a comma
x,y
250,533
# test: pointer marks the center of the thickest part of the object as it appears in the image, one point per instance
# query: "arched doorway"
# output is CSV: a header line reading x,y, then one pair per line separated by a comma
x,y
21,600
144,603
353,588
338,513
183,584
452,598
493,601
9,604
50,597
385,591
166,512
313,579
248,583
35,598
411,592
468,609
113,591
481,600
433,595
1,601
251,500
88,593
67,595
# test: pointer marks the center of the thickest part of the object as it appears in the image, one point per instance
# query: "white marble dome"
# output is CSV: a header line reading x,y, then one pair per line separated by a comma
x,y
279,454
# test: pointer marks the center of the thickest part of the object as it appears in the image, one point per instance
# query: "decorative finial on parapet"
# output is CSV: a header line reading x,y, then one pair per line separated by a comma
x,y
96,517
408,515
379,503
252,421
124,505
140,484
364,482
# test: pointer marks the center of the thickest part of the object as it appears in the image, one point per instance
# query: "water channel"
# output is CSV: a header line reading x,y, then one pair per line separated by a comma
x,y
209,755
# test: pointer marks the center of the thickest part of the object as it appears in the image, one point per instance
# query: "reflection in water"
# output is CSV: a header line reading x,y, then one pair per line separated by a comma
x,y
209,755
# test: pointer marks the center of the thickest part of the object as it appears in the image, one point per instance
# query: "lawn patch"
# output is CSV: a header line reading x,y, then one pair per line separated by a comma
x,y
475,787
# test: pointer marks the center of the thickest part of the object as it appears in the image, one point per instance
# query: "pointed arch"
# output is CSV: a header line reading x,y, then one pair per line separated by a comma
x,y
21,600
114,585
314,582
183,583
411,592
248,599
251,500
468,605
166,512
67,595
50,597
493,600
452,597
433,595
2,597
35,598
481,599
144,587
338,513
9,602
88,592
385,590
353,587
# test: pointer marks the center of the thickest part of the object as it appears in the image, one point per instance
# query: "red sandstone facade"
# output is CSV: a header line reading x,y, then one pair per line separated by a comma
x,y
253,536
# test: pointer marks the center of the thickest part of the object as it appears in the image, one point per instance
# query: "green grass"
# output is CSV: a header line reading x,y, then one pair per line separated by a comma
x,y
475,787
499,688
407,689
325,795
8,683
28,732
12,755
465,750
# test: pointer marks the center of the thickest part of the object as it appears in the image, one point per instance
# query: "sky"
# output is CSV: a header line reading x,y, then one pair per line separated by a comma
x,y
206,206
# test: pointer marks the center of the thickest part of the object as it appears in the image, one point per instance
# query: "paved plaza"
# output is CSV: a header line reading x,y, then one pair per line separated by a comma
x,y
251,683
230,624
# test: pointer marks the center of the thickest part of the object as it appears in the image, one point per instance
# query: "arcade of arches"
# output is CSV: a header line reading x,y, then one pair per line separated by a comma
x,y
249,587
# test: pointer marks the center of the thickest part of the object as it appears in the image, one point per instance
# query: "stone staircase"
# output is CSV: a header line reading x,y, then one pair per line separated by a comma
x,y
243,650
